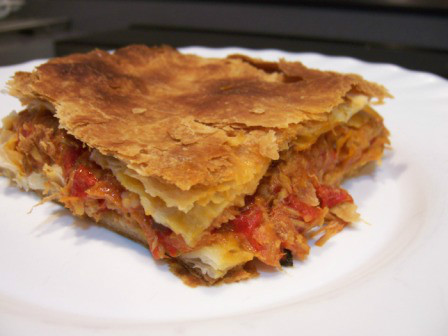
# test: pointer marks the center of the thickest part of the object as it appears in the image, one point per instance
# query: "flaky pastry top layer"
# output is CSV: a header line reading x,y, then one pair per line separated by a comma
x,y
181,118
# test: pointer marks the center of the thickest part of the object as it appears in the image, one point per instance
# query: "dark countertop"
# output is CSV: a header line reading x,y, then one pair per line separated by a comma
x,y
412,33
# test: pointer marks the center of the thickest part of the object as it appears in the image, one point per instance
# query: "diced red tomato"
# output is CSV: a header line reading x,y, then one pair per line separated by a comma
x,y
277,189
171,242
307,212
164,240
102,204
146,223
157,251
83,179
106,190
70,156
247,222
331,196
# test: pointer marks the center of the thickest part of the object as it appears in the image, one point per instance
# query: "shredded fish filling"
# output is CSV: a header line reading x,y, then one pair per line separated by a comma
x,y
298,199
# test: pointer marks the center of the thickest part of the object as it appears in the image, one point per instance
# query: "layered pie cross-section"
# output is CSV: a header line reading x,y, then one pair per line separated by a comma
x,y
211,163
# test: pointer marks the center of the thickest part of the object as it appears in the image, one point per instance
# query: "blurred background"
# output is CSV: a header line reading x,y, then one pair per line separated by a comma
x,y
411,33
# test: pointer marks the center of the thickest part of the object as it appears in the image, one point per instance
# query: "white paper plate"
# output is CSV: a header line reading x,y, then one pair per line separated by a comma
x,y
388,277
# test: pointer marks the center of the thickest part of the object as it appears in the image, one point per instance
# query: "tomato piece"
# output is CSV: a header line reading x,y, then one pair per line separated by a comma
x,y
71,154
83,179
331,196
146,223
106,190
277,189
247,222
307,212
171,242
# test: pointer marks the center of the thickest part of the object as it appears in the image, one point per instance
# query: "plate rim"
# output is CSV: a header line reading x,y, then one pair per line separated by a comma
x,y
177,326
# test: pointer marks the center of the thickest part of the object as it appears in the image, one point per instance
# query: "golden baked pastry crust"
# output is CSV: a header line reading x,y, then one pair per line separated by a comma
x,y
171,116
